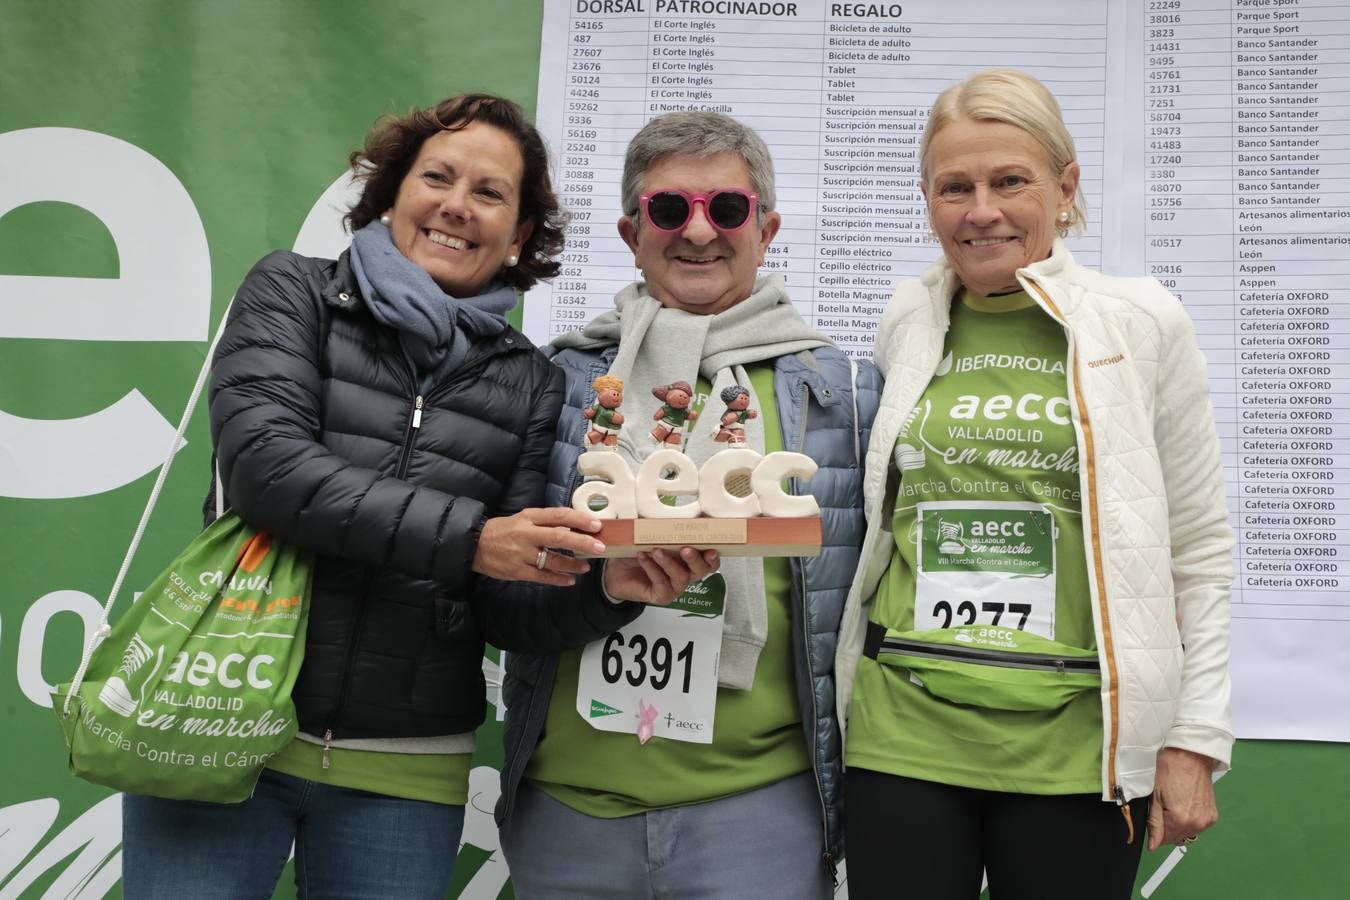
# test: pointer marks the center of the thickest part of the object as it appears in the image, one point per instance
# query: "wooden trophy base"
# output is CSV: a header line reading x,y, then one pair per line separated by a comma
x,y
759,536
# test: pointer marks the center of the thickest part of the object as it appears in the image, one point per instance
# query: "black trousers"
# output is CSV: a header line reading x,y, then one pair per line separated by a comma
x,y
928,841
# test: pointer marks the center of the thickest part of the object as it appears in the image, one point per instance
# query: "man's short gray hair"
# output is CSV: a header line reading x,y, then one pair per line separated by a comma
x,y
696,133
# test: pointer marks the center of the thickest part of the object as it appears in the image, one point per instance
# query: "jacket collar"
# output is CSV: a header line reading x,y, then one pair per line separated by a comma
x,y
341,290
1056,265
942,283
1057,269
805,367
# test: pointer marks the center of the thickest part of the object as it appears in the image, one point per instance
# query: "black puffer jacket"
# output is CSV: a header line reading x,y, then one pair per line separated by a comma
x,y
315,419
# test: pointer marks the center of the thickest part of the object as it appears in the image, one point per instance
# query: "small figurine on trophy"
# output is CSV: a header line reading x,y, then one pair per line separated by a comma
x,y
604,414
731,429
673,413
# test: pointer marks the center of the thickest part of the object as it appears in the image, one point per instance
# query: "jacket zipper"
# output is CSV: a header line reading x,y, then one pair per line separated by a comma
x,y
405,454
1001,658
347,669
827,858
1099,574
409,434
415,419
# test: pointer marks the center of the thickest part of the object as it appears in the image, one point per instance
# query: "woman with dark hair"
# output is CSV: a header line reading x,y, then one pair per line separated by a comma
x,y
378,411
395,143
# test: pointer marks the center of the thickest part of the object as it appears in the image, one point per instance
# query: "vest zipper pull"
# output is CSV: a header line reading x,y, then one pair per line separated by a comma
x,y
1119,794
417,412
1059,666
327,738
831,867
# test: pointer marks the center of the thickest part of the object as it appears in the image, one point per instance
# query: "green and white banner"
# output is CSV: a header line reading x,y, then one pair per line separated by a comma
x,y
150,154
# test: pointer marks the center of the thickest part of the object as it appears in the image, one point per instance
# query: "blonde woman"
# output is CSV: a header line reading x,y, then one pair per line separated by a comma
x,y
1033,656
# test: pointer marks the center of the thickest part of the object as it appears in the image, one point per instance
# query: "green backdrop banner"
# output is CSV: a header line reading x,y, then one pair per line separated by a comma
x,y
152,151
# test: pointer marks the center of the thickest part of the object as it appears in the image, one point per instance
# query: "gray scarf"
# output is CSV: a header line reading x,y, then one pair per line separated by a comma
x,y
657,346
435,328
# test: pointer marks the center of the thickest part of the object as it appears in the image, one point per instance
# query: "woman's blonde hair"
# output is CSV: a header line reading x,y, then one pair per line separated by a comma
x,y
1014,98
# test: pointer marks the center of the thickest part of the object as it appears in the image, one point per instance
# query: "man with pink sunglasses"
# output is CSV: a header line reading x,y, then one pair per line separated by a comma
x,y
752,809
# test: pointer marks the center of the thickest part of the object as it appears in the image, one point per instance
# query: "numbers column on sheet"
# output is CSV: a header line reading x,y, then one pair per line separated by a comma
x,y
603,101
763,71
1188,181
1291,135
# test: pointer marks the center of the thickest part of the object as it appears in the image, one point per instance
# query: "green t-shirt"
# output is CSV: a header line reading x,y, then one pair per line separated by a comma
x,y
757,734
433,777
674,416
989,561
604,417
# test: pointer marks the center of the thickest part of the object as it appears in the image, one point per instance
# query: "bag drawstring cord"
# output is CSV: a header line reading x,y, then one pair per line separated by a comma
x,y
104,629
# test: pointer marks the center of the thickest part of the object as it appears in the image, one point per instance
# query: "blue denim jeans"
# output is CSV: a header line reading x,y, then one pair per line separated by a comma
x,y
348,844
765,844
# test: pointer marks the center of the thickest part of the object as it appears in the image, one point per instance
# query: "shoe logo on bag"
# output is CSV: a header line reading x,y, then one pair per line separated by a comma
x,y
951,537
908,457
124,692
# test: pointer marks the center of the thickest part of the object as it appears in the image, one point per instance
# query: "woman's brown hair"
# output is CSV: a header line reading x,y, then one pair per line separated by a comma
x,y
393,145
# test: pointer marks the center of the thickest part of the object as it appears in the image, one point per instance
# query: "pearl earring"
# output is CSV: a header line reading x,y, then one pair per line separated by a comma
x,y
386,220
512,260
1064,217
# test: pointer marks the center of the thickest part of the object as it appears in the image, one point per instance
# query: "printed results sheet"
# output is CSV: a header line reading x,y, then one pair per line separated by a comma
x,y
1242,165
1214,138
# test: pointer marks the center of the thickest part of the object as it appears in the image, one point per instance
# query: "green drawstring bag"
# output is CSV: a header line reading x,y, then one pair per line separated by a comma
x,y
189,694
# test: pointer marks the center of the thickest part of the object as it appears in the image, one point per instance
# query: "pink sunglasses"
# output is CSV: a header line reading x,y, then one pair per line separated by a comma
x,y
671,210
